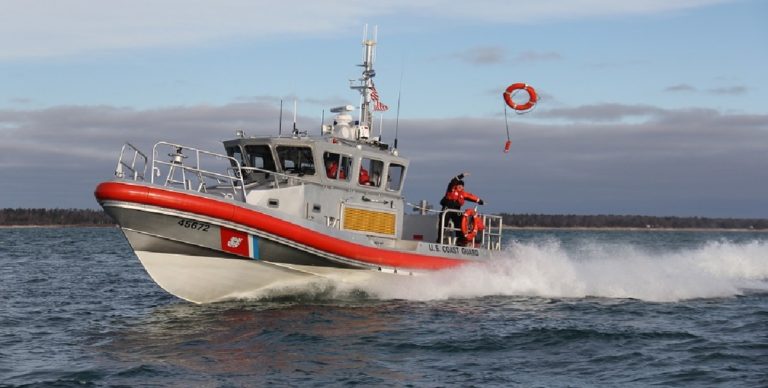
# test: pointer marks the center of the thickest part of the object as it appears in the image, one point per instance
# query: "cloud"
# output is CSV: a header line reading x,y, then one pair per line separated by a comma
x,y
664,162
76,135
731,90
602,112
618,64
70,27
481,55
734,90
21,101
676,163
680,88
536,56
505,11
491,55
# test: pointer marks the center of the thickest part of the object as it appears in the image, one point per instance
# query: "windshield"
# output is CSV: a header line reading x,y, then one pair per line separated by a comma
x,y
296,160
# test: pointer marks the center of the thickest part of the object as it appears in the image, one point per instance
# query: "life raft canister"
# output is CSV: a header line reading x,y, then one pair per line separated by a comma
x,y
532,97
471,223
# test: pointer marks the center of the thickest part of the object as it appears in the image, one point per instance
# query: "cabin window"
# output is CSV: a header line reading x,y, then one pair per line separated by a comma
x,y
296,160
395,177
337,166
234,152
260,156
370,172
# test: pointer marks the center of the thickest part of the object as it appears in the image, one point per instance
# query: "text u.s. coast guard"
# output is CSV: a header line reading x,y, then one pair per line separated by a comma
x,y
453,249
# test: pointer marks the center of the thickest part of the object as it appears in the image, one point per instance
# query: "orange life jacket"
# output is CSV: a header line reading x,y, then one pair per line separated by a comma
x,y
363,179
454,199
332,171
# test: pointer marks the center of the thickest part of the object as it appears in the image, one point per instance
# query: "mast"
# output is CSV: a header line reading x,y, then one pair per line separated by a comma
x,y
365,83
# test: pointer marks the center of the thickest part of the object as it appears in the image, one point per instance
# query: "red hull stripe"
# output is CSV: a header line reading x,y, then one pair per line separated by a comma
x,y
146,195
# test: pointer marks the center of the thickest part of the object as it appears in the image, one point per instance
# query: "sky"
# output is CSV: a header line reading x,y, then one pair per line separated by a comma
x,y
654,107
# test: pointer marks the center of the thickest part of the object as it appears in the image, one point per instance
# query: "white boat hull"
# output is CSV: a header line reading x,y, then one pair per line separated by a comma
x,y
205,279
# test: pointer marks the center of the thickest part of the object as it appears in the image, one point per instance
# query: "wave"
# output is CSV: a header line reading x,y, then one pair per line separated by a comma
x,y
593,269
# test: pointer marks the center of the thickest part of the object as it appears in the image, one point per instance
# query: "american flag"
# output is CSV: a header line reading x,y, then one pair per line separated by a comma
x,y
377,105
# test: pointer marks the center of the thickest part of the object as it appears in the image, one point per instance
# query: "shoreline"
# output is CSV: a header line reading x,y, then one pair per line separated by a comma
x,y
506,227
57,226
631,229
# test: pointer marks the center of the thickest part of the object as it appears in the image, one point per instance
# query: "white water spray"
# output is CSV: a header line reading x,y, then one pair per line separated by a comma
x,y
546,269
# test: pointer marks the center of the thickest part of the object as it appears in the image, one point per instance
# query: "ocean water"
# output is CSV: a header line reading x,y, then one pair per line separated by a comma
x,y
561,308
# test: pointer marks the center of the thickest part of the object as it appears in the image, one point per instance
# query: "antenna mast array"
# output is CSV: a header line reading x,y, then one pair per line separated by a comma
x,y
365,83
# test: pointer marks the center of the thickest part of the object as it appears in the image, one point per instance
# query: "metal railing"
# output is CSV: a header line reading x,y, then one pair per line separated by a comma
x,y
123,164
189,175
184,167
192,175
276,178
492,233
489,237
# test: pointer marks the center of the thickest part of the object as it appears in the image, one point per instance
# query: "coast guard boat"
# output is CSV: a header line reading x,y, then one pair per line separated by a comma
x,y
283,211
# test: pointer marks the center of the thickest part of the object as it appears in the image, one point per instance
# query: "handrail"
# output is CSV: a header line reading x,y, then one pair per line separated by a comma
x,y
490,238
419,207
275,174
178,172
492,234
132,165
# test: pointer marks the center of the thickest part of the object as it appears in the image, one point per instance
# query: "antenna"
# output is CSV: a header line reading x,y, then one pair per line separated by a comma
x,y
322,120
381,126
364,84
375,39
295,130
280,126
397,120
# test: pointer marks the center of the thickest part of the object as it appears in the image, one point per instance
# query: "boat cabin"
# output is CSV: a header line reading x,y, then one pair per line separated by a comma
x,y
349,185
332,163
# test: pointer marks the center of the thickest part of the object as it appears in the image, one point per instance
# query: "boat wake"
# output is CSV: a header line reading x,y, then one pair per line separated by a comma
x,y
588,269
594,269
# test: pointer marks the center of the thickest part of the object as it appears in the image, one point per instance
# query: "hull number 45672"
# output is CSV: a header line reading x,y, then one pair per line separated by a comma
x,y
196,225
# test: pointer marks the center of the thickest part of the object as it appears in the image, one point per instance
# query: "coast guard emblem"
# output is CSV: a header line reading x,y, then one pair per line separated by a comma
x,y
239,243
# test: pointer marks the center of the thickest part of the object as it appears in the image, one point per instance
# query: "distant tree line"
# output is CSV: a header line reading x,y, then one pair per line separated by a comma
x,y
629,221
26,217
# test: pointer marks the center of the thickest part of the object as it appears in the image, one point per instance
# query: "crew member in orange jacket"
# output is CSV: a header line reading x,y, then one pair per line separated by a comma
x,y
333,167
364,178
454,199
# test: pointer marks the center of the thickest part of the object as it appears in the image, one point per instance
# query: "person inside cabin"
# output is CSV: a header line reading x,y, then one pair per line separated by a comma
x,y
332,167
364,179
452,201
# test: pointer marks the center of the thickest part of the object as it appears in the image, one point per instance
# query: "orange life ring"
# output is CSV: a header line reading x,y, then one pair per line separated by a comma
x,y
471,223
532,97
